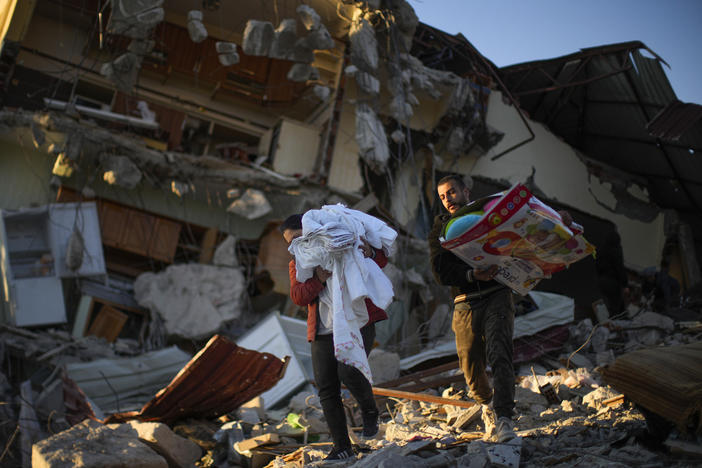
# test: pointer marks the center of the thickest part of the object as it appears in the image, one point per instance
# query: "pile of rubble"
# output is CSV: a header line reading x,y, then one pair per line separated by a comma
x,y
565,416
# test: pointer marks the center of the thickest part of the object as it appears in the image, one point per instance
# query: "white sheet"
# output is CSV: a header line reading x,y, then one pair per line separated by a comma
x,y
331,237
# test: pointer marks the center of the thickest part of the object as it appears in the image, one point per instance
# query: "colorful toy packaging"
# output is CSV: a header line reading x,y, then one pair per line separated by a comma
x,y
516,231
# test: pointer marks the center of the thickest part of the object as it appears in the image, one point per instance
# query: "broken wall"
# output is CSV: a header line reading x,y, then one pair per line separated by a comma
x,y
25,176
560,172
345,169
25,173
406,192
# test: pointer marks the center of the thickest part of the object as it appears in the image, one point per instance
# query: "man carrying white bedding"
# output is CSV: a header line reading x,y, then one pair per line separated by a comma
x,y
483,320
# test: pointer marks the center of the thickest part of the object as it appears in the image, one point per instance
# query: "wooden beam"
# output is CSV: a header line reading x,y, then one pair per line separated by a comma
x,y
207,247
422,397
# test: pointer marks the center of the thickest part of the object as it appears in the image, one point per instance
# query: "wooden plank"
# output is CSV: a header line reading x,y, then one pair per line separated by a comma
x,y
207,247
422,397
108,323
614,400
420,376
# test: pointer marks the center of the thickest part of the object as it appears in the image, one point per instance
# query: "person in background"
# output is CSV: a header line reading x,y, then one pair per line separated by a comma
x,y
329,374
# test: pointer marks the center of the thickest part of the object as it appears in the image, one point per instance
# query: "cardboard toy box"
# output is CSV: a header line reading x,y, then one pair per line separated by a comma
x,y
523,236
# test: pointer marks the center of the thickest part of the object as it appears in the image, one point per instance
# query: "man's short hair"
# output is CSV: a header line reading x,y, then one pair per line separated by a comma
x,y
452,178
292,222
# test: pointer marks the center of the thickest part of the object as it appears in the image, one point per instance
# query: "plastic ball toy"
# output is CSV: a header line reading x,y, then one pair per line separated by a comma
x,y
458,226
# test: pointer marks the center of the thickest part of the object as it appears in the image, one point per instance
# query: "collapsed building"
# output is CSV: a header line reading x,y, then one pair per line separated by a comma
x,y
150,149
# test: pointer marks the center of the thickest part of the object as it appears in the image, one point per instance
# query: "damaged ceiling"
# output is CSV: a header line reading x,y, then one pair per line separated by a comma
x,y
608,102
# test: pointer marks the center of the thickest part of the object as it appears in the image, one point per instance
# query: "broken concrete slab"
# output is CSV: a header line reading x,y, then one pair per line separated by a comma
x,y
91,444
257,441
225,253
505,455
301,53
300,72
258,37
178,451
252,204
322,92
120,171
371,138
309,17
467,416
193,300
122,71
319,39
364,45
367,82
141,46
284,40
226,53
385,365
135,18
196,29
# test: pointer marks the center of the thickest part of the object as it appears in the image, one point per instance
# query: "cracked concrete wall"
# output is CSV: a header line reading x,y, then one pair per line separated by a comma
x,y
25,173
559,171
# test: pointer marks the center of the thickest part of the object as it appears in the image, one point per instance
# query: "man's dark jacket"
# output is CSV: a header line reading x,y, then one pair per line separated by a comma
x,y
448,269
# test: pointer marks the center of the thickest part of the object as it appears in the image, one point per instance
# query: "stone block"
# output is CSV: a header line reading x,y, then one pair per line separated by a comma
x,y
258,37
310,18
91,444
179,452
505,455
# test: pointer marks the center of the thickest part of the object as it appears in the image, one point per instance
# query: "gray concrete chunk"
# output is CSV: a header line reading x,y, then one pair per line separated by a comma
x,y
309,17
91,444
196,29
258,37
284,41
364,46
179,452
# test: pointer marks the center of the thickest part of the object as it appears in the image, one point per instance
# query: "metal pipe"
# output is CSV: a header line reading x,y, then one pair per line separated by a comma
x,y
101,114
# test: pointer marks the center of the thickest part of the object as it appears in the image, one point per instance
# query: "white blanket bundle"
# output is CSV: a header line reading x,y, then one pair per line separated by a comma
x,y
331,237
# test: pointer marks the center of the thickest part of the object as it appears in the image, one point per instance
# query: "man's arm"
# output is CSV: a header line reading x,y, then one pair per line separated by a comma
x,y
303,294
380,258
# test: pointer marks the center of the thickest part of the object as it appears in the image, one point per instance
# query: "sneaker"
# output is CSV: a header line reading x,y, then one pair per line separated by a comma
x,y
504,430
489,422
337,454
370,425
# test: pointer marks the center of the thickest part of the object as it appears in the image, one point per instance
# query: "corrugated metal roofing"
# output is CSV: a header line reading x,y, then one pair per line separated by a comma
x,y
675,120
666,381
603,101
217,380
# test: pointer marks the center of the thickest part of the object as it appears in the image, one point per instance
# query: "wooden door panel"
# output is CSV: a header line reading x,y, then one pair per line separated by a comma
x,y
113,221
164,240
138,232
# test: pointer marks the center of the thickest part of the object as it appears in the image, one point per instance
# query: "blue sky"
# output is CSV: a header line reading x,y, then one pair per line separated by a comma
x,y
514,31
